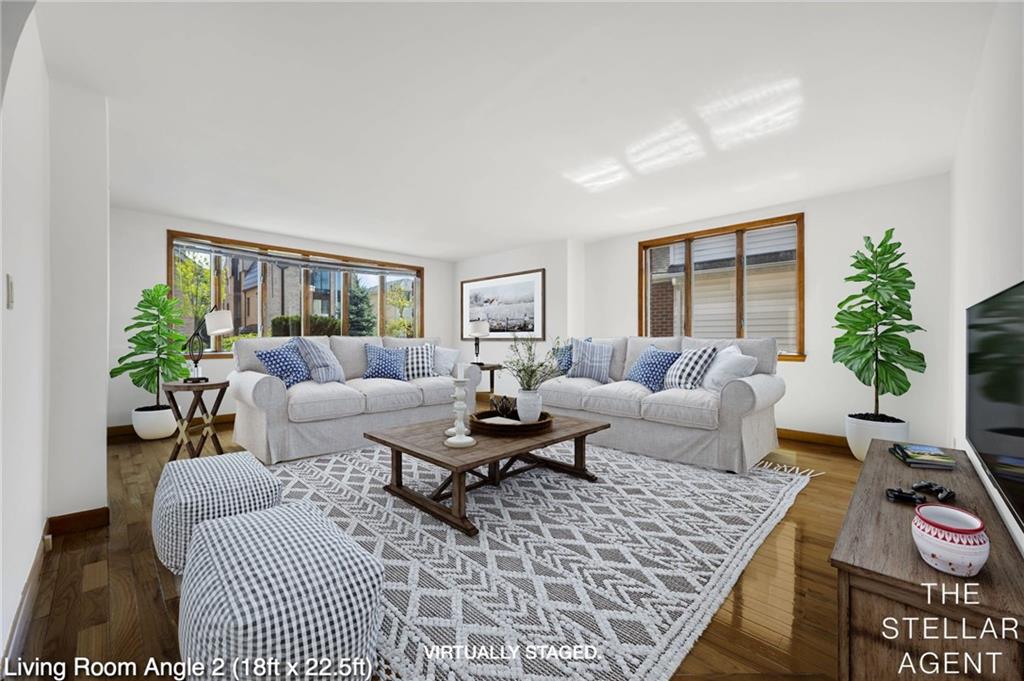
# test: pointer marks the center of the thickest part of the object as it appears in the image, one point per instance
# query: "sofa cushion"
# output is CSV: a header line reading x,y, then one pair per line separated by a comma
x,y
312,401
650,367
445,360
392,342
244,350
435,389
765,350
591,360
386,394
385,363
621,398
680,407
617,368
419,361
689,370
729,364
565,392
285,362
323,365
351,352
636,345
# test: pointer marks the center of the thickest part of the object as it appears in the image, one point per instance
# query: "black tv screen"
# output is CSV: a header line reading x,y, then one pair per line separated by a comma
x,y
995,391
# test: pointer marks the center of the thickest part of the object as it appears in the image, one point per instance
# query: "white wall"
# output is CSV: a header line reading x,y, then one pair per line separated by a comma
x,y
555,257
819,393
987,253
138,260
25,329
79,231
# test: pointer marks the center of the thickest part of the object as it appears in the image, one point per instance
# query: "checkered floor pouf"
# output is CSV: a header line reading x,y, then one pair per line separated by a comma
x,y
283,584
193,490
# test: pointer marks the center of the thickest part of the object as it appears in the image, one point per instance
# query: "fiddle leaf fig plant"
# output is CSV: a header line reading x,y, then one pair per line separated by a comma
x,y
157,345
876,321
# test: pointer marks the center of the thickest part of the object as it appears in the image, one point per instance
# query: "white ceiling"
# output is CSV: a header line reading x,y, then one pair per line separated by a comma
x,y
452,130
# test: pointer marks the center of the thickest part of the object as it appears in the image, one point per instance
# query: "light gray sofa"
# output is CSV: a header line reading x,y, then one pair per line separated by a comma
x,y
730,431
278,424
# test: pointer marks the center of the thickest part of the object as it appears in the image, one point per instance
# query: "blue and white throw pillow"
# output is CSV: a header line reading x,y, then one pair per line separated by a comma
x,y
419,361
323,365
590,360
563,356
688,371
650,368
385,362
286,363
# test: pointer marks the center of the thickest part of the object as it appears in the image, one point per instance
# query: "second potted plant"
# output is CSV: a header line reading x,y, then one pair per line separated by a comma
x,y
529,372
157,355
875,323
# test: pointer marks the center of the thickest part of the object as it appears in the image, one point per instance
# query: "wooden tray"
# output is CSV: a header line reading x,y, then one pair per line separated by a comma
x,y
476,425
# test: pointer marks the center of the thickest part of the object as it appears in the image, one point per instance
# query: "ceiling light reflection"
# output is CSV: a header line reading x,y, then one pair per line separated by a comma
x,y
670,146
755,113
599,176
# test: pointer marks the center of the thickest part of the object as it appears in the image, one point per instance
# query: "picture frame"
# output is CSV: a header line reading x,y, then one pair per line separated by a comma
x,y
514,304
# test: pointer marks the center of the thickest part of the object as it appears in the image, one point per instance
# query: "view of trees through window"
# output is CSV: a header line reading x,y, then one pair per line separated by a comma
x,y
276,294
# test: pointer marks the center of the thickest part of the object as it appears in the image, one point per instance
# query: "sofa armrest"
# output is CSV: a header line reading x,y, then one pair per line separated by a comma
x,y
744,396
261,391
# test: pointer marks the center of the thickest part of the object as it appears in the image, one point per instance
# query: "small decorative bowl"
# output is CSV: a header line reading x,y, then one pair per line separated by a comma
x,y
950,539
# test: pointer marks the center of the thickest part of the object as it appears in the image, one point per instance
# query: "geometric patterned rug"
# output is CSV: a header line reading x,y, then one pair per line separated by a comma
x,y
567,579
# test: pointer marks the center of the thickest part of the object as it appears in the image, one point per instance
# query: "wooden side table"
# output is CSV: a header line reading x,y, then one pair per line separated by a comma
x,y
491,368
185,422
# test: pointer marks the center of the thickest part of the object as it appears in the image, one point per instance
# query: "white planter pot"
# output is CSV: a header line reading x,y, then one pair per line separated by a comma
x,y
860,433
154,424
528,405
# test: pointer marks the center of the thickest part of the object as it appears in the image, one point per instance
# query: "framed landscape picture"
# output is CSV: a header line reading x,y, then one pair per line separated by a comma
x,y
512,304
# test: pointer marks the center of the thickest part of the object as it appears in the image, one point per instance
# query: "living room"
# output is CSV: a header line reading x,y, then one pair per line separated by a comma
x,y
542,205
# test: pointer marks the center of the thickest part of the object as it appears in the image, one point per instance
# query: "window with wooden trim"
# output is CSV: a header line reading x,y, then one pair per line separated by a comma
x,y
279,291
742,281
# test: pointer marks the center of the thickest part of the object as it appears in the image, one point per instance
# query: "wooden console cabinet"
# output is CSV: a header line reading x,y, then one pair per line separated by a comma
x,y
881,576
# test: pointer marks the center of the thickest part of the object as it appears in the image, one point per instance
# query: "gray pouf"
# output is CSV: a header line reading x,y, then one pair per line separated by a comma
x,y
194,490
283,584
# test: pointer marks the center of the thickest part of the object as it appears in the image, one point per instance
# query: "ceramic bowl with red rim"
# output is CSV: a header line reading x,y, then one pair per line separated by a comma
x,y
950,539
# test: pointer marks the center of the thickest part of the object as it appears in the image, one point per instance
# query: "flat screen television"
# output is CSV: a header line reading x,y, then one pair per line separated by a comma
x,y
995,393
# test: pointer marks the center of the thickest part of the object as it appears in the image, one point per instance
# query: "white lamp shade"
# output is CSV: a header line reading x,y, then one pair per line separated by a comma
x,y
479,329
219,322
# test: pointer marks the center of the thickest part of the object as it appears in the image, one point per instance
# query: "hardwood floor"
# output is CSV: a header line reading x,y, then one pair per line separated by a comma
x,y
104,595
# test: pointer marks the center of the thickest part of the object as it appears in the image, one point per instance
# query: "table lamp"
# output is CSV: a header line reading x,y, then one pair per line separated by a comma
x,y
217,323
478,330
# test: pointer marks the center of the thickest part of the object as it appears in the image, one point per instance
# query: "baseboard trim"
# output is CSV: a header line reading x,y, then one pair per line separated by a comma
x,y
81,521
15,643
117,435
815,438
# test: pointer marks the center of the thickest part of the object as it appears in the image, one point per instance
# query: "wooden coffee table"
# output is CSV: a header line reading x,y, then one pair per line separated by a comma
x,y
425,441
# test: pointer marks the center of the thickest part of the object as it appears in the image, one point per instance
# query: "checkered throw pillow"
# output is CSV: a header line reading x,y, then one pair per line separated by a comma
x,y
286,363
590,360
650,367
385,362
688,371
419,361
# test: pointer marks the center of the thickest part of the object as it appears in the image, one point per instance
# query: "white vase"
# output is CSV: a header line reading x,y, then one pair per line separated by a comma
x,y
860,433
154,424
528,405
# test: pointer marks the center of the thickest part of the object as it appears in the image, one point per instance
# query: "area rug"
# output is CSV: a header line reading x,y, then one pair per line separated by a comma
x,y
567,579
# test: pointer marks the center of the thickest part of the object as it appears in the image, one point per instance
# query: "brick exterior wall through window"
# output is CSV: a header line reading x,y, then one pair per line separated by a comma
x,y
662,308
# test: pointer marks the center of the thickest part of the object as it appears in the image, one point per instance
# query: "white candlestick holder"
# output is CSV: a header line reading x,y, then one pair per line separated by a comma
x,y
459,433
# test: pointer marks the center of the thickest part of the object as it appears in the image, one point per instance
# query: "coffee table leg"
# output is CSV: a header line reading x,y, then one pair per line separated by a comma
x,y
494,473
578,469
454,516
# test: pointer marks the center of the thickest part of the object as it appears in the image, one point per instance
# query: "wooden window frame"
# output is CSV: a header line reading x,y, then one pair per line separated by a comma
x,y
739,230
217,353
